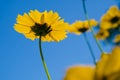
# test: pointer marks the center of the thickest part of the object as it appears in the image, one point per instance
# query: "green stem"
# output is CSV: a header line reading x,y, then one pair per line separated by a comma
x,y
93,33
92,54
43,60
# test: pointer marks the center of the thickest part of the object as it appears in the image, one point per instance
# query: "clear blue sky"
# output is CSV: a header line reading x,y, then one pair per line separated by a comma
x,y
19,57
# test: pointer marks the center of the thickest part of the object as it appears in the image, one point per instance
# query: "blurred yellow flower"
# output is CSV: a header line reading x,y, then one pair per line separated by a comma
x,y
80,73
48,25
111,19
117,38
102,34
108,68
81,26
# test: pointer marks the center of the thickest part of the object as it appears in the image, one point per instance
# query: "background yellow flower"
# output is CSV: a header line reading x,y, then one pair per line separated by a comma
x,y
109,65
81,26
102,34
111,19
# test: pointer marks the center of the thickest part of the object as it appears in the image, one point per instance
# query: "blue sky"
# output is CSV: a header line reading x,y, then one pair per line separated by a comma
x,y
19,57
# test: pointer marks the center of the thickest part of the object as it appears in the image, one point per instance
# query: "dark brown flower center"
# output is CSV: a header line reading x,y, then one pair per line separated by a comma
x,y
83,29
41,29
104,78
101,33
115,19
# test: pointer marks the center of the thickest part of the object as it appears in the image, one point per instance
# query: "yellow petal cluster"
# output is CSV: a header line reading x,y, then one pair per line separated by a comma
x,y
81,26
111,19
107,68
102,34
109,65
53,27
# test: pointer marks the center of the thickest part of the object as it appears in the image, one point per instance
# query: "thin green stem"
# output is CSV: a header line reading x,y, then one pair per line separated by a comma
x,y
93,33
43,60
92,54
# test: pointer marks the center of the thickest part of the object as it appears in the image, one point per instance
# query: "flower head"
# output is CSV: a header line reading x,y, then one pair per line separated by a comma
x,y
48,25
107,68
81,26
111,19
102,34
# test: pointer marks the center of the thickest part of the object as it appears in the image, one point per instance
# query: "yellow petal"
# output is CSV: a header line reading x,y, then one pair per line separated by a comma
x,y
42,19
105,25
21,28
113,11
25,20
59,25
113,63
101,66
80,73
50,17
74,30
109,65
36,16
47,38
30,35
58,35
55,18
93,22
78,24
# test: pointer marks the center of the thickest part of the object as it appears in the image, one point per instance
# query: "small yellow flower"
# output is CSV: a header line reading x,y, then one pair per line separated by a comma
x,y
80,73
81,26
111,19
108,68
102,34
117,38
48,25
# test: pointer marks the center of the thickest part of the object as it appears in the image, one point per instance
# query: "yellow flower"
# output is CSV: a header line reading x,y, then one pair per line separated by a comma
x,y
111,19
117,38
48,25
102,34
80,73
81,26
108,68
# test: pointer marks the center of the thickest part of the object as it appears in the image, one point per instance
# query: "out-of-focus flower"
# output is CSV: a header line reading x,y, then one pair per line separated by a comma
x,y
102,34
48,25
80,73
107,68
117,38
81,26
111,19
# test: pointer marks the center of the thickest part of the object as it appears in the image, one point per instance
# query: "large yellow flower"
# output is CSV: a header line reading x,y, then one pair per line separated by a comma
x,y
48,25
111,19
80,73
81,26
107,68
102,34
